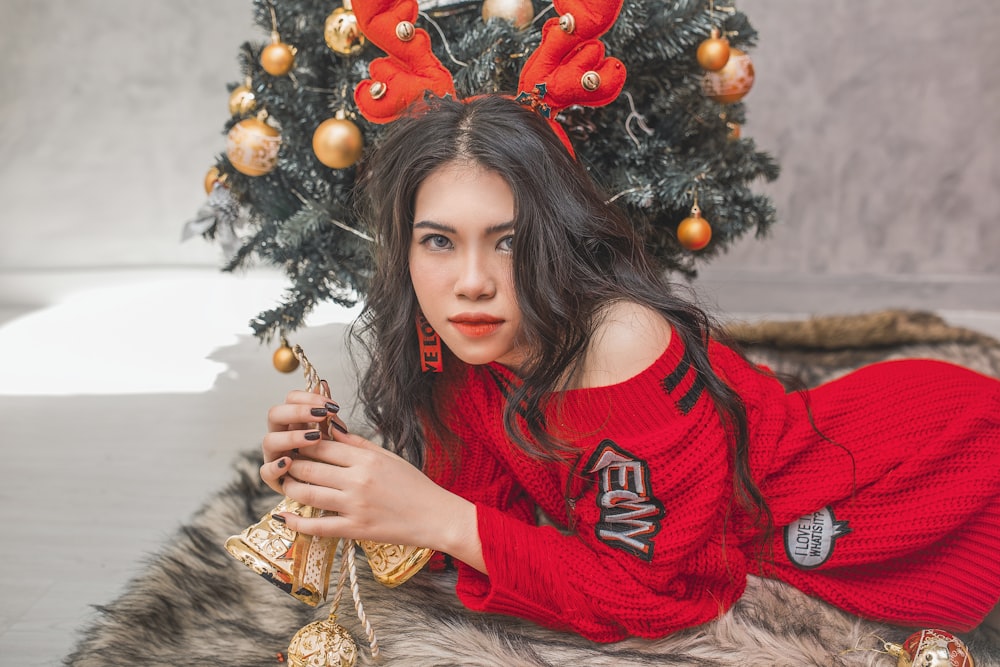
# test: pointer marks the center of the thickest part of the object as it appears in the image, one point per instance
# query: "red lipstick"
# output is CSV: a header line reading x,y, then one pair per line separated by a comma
x,y
475,325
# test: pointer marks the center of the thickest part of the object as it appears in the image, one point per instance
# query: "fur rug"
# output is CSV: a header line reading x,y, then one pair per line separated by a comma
x,y
195,605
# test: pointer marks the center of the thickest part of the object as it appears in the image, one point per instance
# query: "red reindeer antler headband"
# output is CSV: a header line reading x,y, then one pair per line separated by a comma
x,y
568,67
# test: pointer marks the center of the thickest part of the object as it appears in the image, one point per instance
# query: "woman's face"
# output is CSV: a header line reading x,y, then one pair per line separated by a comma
x,y
461,264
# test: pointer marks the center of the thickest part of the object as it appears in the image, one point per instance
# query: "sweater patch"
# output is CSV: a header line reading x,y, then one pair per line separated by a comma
x,y
672,382
809,541
630,515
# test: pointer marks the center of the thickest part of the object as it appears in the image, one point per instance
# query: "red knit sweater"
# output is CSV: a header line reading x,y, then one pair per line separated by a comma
x,y
893,513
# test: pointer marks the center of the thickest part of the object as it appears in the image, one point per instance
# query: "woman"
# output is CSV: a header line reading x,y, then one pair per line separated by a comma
x,y
576,383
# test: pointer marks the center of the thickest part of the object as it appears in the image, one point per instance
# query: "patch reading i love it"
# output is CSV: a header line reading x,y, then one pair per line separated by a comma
x,y
809,541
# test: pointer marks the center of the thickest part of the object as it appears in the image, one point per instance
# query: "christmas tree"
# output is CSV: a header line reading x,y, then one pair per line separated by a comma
x,y
668,148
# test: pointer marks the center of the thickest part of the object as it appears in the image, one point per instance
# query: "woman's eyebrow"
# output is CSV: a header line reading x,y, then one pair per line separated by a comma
x,y
437,226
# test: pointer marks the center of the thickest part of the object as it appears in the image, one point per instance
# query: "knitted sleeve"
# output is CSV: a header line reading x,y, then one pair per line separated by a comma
x,y
645,552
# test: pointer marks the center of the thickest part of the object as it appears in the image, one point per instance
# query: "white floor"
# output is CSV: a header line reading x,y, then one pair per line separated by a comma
x,y
122,405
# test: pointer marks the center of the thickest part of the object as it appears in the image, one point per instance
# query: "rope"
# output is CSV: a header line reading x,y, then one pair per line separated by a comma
x,y
348,565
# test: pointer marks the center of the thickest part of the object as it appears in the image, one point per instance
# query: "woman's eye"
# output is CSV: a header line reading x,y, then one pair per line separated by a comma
x,y
506,244
436,241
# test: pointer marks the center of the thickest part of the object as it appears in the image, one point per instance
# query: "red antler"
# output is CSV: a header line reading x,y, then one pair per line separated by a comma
x,y
569,66
408,71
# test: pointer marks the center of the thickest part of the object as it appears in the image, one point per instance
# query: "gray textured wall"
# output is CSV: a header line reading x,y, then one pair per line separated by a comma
x,y
884,116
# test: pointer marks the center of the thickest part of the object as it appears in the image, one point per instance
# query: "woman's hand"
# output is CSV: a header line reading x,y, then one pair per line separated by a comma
x,y
297,423
375,494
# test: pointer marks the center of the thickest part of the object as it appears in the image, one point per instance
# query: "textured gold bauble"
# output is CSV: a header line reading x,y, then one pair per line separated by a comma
x,y
322,643
252,147
241,101
277,58
518,12
733,81
694,232
713,53
342,33
337,143
284,359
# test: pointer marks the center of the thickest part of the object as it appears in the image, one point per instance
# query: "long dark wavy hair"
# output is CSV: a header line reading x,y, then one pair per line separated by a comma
x,y
573,253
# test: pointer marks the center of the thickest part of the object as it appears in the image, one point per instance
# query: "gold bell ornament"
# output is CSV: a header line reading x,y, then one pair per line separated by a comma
x,y
341,31
301,564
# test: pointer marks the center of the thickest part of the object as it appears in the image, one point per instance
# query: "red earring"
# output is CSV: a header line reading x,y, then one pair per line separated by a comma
x,y
430,346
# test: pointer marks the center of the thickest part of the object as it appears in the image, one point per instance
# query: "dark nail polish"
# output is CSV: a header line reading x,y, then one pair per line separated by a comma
x,y
333,407
282,463
318,412
295,451
282,480
313,435
338,427
277,517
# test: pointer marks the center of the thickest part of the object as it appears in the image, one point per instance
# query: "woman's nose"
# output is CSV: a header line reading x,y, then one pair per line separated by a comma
x,y
475,278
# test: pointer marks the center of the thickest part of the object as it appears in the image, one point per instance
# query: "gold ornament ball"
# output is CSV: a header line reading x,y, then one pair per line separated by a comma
x,y
694,232
241,101
252,147
284,359
713,53
342,33
337,143
277,58
323,643
733,81
518,12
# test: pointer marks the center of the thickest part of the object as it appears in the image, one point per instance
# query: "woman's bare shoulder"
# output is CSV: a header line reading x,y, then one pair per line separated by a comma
x,y
628,337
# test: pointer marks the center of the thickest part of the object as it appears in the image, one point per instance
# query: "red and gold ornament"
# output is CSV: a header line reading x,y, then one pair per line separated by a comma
x,y
931,648
694,232
731,83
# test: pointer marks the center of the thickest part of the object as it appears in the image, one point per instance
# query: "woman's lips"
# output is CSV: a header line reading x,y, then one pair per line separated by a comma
x,y
476,327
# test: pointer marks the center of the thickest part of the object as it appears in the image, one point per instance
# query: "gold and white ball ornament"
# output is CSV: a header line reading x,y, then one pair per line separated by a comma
x,y
252,146
337,142
731,83
518,12
694,232
341,31
277,58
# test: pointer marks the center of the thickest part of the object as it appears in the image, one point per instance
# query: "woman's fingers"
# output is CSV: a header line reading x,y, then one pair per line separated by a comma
x,y
285,443
274,473
295,416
